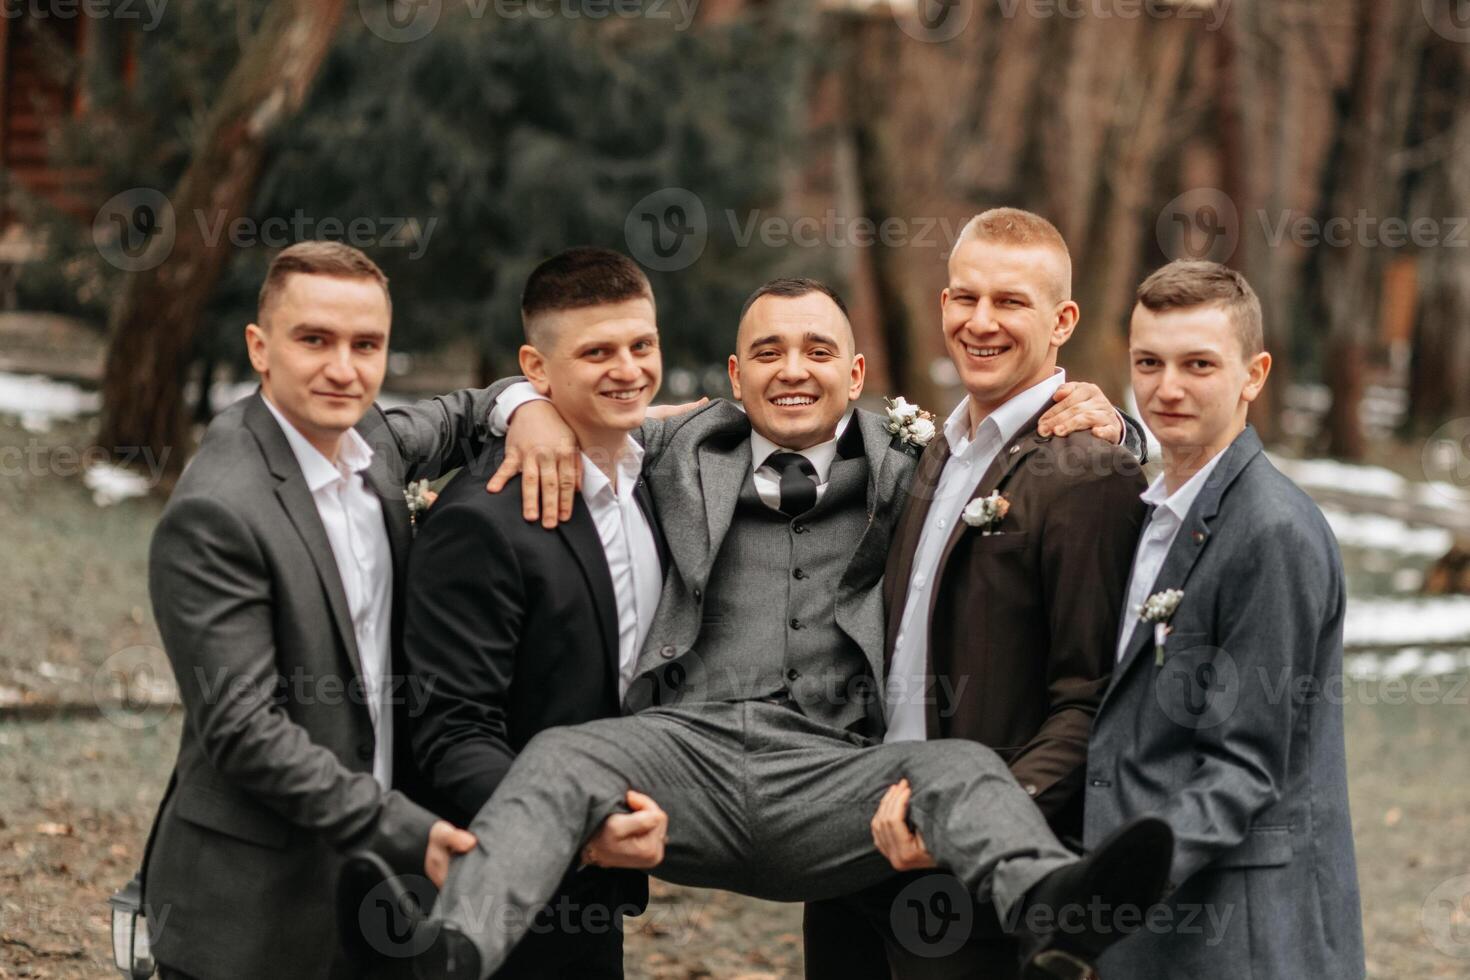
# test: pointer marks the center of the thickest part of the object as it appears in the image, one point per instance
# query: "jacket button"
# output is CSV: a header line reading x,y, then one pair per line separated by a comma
x,y
799,528
667,652
793,674
365,751
796,624
1030,789
698,596
798,574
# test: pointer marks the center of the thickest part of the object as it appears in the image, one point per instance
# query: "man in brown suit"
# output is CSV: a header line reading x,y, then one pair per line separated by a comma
x,y
1002,592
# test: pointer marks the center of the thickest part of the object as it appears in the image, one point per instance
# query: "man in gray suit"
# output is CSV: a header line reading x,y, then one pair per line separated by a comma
x,y
756,707
1216,718
275,578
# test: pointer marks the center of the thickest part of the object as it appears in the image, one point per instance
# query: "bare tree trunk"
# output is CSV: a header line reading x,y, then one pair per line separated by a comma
x,y
154,319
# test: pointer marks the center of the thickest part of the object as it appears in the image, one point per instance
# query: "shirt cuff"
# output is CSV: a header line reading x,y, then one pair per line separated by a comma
x,y
1122,424
511,399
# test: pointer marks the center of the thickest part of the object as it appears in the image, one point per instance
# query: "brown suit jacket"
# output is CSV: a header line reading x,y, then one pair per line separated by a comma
x,y
1024,621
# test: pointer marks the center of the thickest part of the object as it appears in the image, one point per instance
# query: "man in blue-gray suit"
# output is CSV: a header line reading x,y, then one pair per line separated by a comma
x,y
1216,718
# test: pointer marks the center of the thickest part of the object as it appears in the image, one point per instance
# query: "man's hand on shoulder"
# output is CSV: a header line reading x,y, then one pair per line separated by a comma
x,y
630,840
541,447
661,412
1082,406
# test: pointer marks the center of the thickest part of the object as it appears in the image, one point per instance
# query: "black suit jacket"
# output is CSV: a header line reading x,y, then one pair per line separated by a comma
x,y
510,629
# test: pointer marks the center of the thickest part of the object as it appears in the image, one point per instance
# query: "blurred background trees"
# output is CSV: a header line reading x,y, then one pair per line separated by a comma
x,y
1318,145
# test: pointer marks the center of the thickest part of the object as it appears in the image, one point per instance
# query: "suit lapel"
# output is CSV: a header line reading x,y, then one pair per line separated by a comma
x,y
580,535
723,470
1194,534
661,543
301,510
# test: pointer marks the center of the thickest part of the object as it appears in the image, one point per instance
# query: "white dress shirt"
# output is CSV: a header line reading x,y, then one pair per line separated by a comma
x,y
768,478
352,515
631,551
1170,509
907,686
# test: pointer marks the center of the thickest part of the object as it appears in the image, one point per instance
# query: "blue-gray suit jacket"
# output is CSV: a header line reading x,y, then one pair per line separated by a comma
x,y
1237,741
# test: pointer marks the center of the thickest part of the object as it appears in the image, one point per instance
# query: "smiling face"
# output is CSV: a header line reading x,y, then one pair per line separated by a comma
x,y
1005,313
600,366
794,369
1193,381
321,353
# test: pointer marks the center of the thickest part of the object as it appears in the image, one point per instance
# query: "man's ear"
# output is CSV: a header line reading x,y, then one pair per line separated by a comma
x,y
1068,313
255,344
859,375
734,368
533,366
1257,368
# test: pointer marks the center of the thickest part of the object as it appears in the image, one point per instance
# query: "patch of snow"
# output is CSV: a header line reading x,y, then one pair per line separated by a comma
x,y
1410,662
111,484
1328,474
1402,622
1374,531
38,400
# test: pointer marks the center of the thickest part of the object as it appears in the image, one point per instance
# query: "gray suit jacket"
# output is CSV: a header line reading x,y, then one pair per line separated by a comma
x,y
1237,741
274,774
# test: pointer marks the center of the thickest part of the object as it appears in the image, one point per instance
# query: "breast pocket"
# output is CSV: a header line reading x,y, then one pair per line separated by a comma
x,y
993,544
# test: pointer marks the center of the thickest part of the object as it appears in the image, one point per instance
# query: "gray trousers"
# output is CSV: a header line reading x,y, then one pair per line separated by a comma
x,y
761,800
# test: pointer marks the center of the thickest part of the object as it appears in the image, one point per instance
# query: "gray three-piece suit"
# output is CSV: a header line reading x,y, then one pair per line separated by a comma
x,y
755,711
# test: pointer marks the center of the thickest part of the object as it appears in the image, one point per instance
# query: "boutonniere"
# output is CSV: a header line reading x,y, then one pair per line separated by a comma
x,y
986,512
1159,609
419,498
911,426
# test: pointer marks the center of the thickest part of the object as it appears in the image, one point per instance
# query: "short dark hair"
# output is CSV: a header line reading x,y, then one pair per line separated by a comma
x,y
790,288
578,278
1182,285
317,258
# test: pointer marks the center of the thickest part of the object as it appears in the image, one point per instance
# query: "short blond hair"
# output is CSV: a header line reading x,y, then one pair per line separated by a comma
x,y
1020,229
1183,285
317,258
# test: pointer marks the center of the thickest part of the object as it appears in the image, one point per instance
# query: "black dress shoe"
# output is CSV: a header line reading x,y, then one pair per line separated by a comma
x,y
382,916
450,956
1073,912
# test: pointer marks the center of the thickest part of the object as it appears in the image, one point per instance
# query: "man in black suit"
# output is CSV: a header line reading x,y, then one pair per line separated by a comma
x,y
515,628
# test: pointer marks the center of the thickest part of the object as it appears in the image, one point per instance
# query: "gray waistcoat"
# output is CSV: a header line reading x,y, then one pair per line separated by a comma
x,y
769,621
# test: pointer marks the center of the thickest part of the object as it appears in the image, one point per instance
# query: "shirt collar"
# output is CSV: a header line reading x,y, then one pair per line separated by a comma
x,y
353,453
630,467
1004,421
820,456
1179,502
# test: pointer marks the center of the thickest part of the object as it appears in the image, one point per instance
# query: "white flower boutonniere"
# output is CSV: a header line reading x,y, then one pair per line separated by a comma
x,y
911,426
986,512
419,498
1159,609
